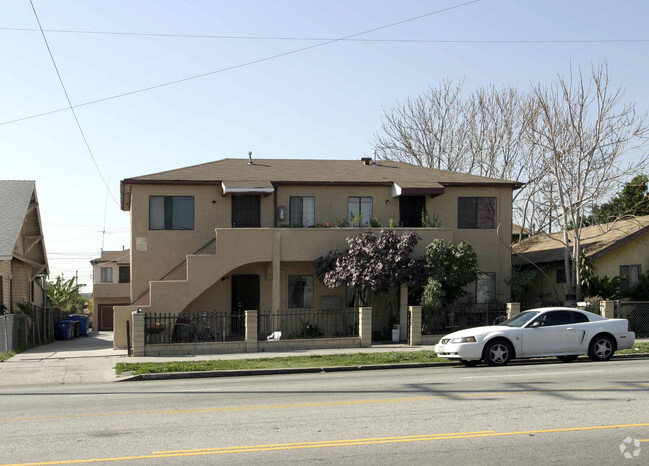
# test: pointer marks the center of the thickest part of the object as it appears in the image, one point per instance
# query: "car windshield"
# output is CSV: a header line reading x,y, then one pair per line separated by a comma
x,y
520,319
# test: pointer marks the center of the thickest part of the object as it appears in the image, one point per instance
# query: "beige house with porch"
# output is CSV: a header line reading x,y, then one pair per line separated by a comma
x,y
241,234
23,260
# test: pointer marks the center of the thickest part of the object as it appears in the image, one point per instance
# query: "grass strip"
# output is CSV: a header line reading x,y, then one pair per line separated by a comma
x,y
327,360
5,356
638,347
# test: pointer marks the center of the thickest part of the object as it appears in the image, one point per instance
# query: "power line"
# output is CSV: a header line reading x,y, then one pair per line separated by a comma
x,y
71,107
319,39
230,68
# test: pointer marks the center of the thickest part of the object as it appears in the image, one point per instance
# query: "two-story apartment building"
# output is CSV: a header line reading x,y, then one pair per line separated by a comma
x,y
23,260
111,286
244,234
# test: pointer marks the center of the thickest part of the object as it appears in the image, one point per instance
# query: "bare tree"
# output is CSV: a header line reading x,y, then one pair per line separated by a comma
x,y
582,130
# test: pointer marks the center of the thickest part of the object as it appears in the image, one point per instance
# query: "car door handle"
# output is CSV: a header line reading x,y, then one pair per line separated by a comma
x,y
570,328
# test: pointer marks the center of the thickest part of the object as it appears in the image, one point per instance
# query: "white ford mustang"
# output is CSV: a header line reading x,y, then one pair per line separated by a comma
x,y
555,331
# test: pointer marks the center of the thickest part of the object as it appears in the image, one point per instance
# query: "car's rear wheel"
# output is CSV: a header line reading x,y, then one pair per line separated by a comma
x,y
601,348
568,358
469,363
497,353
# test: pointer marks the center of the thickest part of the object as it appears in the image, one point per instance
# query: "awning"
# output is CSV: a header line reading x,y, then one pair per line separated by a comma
x,y
247,187
413,188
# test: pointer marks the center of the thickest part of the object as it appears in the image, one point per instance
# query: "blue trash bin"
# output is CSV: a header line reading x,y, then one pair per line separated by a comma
x,y
64,329
83,323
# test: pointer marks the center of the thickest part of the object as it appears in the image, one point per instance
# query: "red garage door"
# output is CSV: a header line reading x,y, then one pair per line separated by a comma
x,y
105,317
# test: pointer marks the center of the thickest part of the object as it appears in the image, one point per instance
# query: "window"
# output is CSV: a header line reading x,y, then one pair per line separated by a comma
x,y
124,274
630,275
561,275
476,212
486,288
300,291
302,211
362,207
171,213
106,275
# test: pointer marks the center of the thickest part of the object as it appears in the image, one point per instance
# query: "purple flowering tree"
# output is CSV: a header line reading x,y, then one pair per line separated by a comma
x,y
372,263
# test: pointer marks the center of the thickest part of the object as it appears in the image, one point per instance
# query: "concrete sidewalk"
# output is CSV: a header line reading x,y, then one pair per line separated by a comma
x,y
92,359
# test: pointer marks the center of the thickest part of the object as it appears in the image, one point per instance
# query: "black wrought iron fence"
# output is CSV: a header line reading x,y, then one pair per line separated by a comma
x,y
637,313
461,316
193,327
308,323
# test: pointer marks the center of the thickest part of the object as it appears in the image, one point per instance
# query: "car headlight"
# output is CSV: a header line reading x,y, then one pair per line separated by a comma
x,y
463,340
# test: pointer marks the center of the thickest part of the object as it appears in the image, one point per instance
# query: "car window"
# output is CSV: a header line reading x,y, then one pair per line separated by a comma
x,y
578,317
518,320
553,318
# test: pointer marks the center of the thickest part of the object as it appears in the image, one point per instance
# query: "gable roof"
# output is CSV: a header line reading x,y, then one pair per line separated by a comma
x,y
596,241
264,173
15,197
117,257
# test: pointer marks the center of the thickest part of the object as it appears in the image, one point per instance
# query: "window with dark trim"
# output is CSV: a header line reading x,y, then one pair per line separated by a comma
x,y
630,275
300,291
302,211
360,206
476,212
124,274
171,212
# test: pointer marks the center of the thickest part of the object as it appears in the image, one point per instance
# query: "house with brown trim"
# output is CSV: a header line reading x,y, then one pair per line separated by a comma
x,y
23,259
619,248
111,286
238,234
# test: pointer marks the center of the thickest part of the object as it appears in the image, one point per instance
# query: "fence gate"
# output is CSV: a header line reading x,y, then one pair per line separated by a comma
x,y
637,313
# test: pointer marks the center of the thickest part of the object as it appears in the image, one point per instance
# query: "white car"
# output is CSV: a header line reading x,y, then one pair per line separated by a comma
x,y
556,331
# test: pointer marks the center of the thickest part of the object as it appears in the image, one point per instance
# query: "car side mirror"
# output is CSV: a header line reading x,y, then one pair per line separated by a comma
x,y
535,324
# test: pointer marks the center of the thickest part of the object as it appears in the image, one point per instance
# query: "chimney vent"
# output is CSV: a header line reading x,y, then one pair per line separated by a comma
x,y
250,158
366,160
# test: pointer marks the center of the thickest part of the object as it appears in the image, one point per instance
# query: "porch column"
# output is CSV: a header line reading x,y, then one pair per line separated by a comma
x,y
251,331
403,312
138,333
513,309
365,326
607,309
277,275
415,325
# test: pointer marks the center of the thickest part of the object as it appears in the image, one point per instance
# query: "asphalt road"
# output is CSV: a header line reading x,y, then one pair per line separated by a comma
x,y
548,413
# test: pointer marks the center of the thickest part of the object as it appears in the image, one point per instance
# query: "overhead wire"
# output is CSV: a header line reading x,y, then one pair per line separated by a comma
x,y
234,67
71,107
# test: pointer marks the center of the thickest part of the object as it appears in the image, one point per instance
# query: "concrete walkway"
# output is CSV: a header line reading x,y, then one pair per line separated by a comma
x,y
92,359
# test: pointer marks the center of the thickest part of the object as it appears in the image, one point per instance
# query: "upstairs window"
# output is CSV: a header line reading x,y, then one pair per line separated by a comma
x,y
124,274
361,208
476,212
171,213
630,275
302,211
106,275
300,291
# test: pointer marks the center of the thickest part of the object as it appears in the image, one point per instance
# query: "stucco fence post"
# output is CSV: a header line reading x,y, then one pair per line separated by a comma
x,y
607,309
415,325
251,331
138,333
513,309
365,326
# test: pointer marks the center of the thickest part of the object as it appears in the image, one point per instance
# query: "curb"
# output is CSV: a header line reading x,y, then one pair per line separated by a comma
x,y
313,370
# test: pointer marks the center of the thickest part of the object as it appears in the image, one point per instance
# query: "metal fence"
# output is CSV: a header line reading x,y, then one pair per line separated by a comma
x,y
309,323
461,316
193,327
637,313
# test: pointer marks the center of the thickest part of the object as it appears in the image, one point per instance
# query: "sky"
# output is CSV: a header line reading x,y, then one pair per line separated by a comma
x,y
163,84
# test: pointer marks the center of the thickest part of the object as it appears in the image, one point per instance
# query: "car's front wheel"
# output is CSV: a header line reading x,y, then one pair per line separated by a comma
x,y
497,353
601,348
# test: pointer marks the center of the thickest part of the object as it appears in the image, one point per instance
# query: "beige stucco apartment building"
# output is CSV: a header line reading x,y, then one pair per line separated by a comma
x,y
244,234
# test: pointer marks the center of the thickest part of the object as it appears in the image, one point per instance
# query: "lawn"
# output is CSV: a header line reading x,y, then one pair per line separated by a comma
x,y
330,360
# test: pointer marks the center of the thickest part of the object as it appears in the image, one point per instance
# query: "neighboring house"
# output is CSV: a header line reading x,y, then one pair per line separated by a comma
x,y
111,286
222,235
23,260
519,233
615,249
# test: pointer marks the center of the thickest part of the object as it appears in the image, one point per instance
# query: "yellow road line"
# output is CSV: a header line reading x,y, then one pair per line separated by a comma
x,y
328,403
328,444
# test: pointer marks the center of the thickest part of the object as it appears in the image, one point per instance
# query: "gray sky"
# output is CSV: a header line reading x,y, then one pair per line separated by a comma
x,y
271,81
